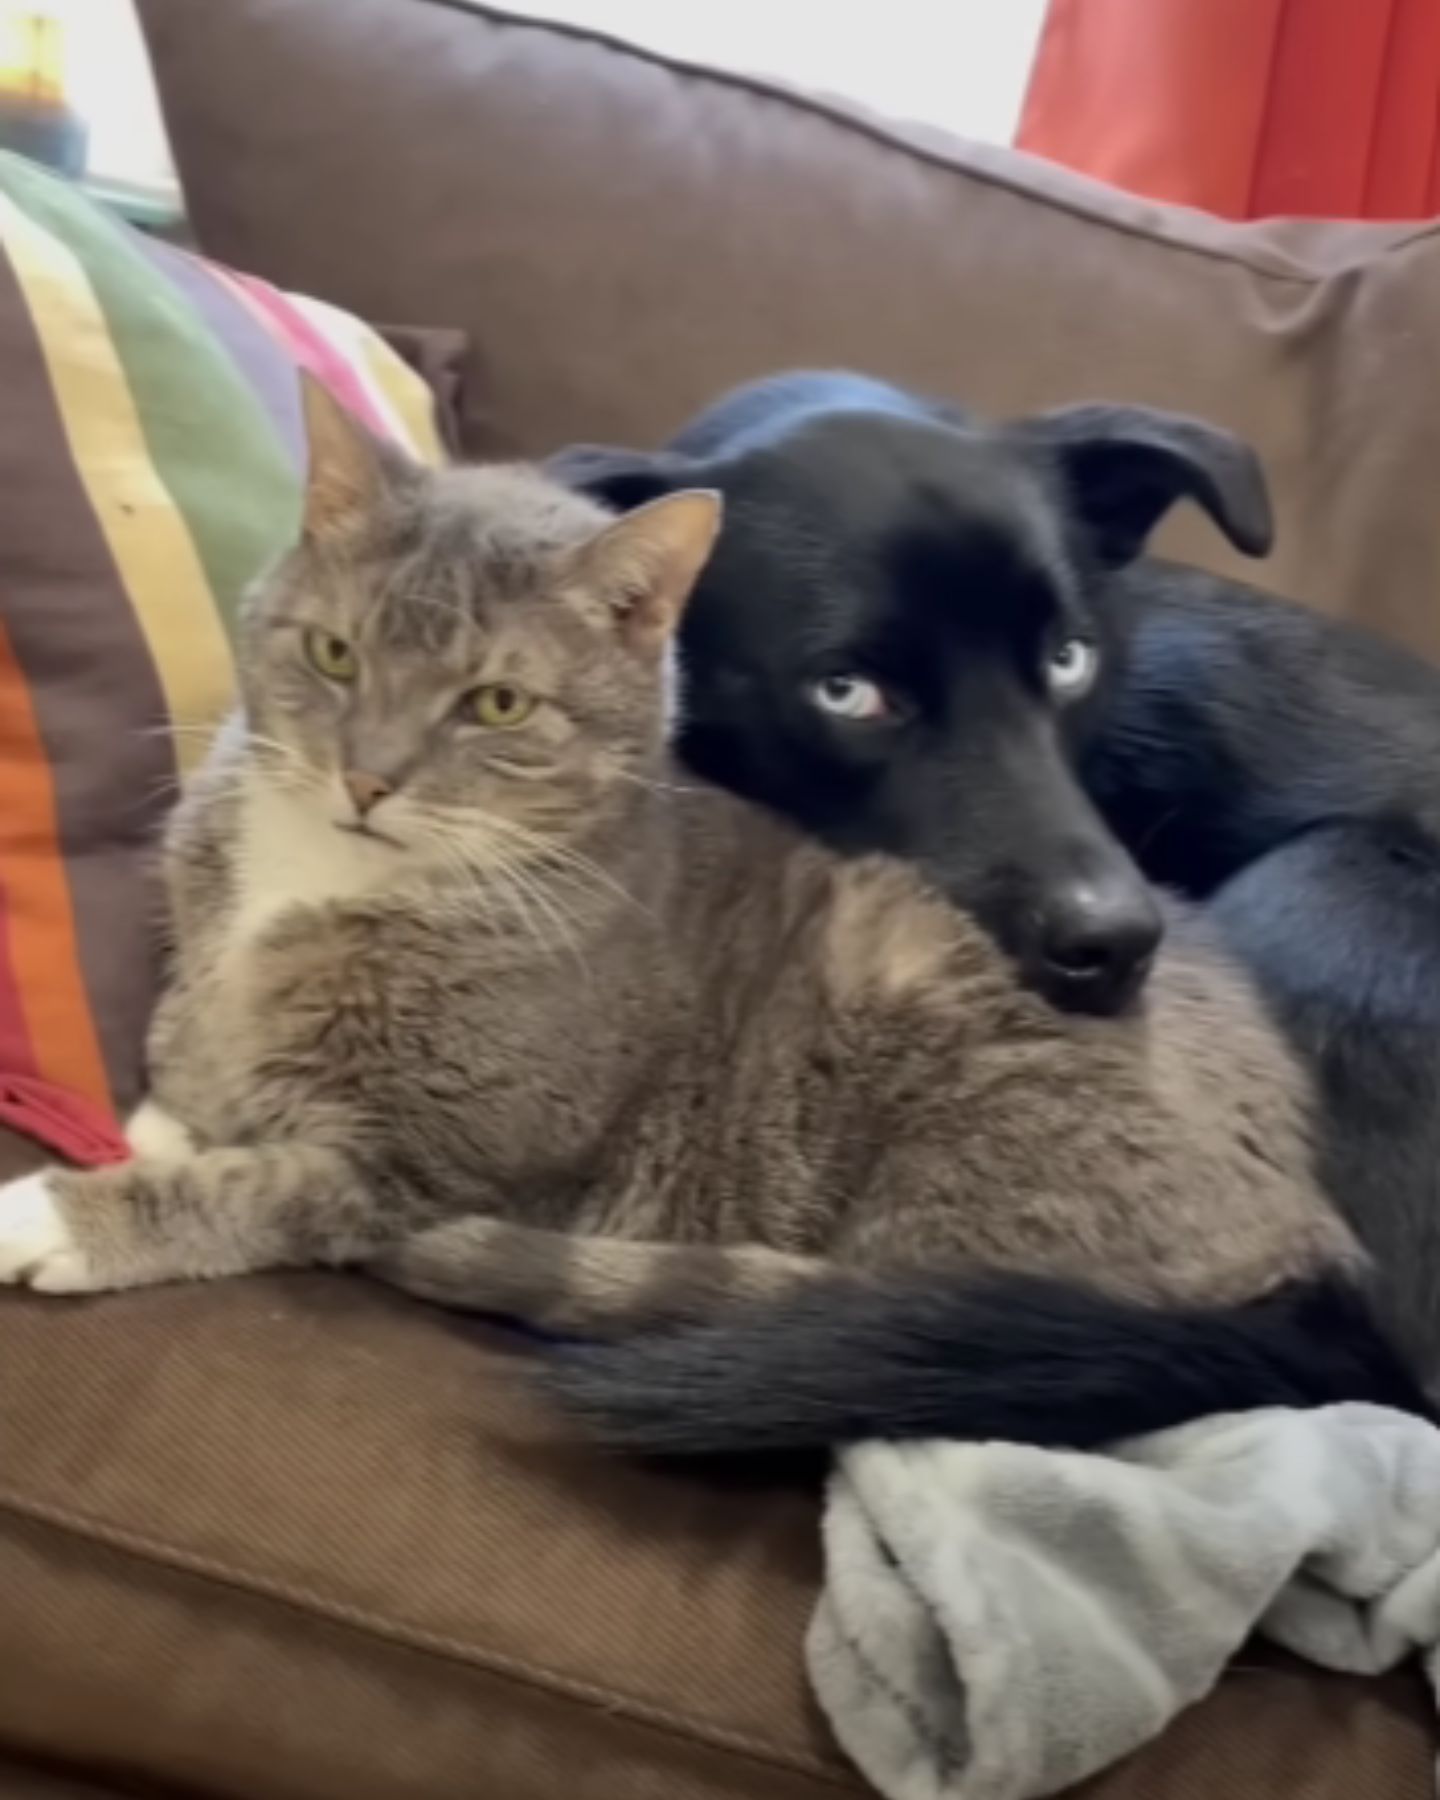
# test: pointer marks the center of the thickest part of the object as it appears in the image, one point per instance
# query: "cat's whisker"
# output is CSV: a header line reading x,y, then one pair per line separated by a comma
x,y
487,854
288,781
156,796
552,909
589,878
257,742
282,752
522,878
564,935
171,728
171,785
560,858
553,873
282,767
267,749
575,866
481,892
485,881
499,886
524,771
653,786
497,876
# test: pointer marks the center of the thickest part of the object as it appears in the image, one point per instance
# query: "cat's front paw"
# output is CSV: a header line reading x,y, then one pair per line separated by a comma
x,y
37,1247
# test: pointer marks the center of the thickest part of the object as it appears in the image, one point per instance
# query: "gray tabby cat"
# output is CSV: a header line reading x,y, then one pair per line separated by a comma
x,y
468,985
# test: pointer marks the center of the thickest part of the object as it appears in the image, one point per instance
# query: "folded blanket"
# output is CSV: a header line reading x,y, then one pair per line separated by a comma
x,y
1000,1622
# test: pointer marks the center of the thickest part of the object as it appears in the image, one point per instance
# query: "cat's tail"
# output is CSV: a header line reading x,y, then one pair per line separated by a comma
x,y
725,1350
565,1282
1027,1359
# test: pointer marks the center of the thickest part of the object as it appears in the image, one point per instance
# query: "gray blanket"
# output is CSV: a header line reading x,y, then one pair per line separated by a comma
x,y
999,1622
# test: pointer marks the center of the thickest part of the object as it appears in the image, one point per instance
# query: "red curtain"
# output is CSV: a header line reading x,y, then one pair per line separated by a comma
x,y
1246,107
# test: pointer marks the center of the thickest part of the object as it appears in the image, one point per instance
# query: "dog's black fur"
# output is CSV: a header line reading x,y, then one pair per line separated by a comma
x,y
1000,1355
1280,769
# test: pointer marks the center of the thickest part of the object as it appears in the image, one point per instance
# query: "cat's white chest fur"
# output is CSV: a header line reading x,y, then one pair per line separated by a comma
x,y
292,854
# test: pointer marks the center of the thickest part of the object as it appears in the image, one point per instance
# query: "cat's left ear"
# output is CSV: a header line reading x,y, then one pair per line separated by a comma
x,y
349,470
644,565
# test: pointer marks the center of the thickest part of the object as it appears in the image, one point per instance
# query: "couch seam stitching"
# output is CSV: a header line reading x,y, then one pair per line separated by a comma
x,y
407,1637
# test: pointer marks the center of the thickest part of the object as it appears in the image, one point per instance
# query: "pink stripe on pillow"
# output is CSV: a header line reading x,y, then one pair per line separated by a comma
x,y
347,337
309,347
66,1124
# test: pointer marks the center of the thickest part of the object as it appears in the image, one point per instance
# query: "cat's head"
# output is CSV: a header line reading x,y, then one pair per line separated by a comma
x,y
454,662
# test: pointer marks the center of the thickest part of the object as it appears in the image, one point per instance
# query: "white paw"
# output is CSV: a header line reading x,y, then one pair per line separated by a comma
x,y
157,1135
36,1247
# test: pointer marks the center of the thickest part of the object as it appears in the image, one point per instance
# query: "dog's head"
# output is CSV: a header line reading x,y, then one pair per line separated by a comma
x,y
902,642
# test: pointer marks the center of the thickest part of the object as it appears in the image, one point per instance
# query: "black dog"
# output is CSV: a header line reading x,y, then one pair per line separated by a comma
x,y
908,637
937,637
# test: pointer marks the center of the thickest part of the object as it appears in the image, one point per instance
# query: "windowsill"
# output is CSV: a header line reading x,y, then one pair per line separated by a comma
x,y
153,206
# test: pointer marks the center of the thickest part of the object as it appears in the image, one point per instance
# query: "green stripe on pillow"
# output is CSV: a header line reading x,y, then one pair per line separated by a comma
x,y
188,395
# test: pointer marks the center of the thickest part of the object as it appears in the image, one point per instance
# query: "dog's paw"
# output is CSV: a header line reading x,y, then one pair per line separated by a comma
x,y
37,1248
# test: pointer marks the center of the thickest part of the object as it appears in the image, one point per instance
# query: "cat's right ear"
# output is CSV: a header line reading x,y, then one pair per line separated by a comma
x,y
643,567
347,469
622,478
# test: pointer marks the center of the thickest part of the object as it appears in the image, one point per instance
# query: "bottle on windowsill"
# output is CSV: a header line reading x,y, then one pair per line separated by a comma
x,y
35,117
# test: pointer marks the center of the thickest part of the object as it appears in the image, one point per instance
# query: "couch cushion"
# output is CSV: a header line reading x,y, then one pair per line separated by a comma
x,y
291,1536
150,457
623,236
296,1537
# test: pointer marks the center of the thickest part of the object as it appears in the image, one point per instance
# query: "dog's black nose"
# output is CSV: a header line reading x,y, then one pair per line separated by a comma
x,y
1096,941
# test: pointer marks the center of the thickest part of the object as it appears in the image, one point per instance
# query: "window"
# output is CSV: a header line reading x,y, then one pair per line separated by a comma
x,y
958,64
108,81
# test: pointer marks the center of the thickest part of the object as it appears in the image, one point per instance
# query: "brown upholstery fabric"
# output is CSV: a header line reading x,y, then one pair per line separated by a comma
x,y
622,237
20,1781
294,1538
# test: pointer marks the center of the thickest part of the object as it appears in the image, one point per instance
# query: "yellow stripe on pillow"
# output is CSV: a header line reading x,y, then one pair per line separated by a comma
x,y
147,536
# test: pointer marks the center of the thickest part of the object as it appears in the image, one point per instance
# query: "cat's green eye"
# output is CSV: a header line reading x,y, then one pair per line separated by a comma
x,y
331,655
500,705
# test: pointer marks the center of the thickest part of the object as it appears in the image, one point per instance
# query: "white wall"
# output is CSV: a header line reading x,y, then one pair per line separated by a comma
x,y
111,84
960,64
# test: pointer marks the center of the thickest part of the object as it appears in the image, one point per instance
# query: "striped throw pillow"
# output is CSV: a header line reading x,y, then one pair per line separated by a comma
x,y
151,455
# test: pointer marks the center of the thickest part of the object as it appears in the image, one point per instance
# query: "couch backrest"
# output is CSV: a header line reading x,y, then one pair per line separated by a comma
x,y
623,236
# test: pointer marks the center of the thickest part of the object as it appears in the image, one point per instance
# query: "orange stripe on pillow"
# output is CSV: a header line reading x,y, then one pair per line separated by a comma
x,y
42,950
17,1053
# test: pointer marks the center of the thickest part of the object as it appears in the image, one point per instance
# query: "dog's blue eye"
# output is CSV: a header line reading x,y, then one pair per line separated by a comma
x,y
849,697
1070,668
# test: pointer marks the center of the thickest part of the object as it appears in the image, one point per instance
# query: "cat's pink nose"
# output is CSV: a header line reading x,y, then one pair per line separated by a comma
x,y
367,791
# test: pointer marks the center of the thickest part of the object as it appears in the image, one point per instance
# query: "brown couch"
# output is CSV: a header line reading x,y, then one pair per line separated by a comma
x,y
294,1539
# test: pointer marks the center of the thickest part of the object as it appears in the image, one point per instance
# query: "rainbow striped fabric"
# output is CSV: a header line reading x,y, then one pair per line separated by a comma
x,y
151,456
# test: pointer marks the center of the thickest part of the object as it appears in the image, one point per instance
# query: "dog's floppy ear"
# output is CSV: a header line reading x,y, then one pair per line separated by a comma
x,y
623,479
1126,466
